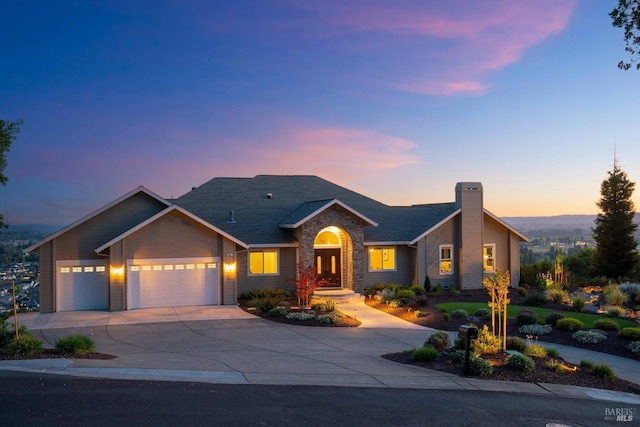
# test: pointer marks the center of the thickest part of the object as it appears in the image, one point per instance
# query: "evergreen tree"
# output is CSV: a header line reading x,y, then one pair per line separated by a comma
x,y
616,247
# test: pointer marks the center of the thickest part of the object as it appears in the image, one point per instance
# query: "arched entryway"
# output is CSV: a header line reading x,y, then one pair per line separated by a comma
x,y
327,254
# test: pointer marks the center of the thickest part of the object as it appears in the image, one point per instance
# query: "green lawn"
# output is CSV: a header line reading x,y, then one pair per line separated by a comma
x,y
512,311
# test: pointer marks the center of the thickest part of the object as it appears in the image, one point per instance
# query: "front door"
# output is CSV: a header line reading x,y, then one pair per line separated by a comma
x,y
328,266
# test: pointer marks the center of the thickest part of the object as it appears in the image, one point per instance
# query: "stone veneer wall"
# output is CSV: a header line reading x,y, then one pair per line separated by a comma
x,y
352,236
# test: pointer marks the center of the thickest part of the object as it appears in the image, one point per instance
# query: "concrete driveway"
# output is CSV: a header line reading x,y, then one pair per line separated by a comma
x,y
227,345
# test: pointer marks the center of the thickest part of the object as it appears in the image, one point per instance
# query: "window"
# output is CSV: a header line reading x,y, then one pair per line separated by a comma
x,y
263,262
382,259
488,257
446,259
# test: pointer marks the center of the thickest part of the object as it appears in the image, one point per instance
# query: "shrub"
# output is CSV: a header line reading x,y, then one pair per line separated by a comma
x,y
446,317
578,302
552,352
438,289
603,370
453,290
557,294
418,290
278,312
460,344
75,344
526,317
569,324
8,332
427,283
395,303
631,289
299,315
25,345
535,299
280,294
606,325
425,354
264,304
632,334
521,362
459,313
440,341
480,367
523,291
386,294
614,310
613,295
331,317
516,343
587,364
487,343
535,330
589,337
535,350
329,306
634,348
553,318
457,357
483,312
406,293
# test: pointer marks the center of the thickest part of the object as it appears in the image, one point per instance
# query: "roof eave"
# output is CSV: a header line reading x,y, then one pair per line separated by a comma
x,y
163,213
95,213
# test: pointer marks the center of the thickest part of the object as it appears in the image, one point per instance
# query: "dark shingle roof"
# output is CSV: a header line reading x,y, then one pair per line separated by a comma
x,y
261,203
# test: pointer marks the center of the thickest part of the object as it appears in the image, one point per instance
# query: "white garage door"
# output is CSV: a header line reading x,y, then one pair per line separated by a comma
x,y
172,282
82,285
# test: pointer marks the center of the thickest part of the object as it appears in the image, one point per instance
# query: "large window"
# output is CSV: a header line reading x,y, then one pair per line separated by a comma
x,y
488,257
446,259
382,259
263,262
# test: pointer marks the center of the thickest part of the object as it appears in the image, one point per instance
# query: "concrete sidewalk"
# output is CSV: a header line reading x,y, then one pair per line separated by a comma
x,y
228,345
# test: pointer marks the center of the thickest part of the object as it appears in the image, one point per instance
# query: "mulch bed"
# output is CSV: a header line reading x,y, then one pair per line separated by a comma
x,y
346,321
580,377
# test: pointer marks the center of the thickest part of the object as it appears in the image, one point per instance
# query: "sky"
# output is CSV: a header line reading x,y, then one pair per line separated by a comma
x,y
396,99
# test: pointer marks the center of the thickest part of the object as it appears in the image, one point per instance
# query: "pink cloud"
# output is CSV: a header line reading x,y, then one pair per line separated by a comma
x,y
462,42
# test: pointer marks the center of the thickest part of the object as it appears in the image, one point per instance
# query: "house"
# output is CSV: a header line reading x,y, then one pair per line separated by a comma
x,y
232,235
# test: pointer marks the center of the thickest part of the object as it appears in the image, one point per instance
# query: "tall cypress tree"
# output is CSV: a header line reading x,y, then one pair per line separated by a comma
x,y
616,247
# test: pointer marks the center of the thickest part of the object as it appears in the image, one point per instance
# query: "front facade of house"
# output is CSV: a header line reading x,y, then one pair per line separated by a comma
x,y
233,235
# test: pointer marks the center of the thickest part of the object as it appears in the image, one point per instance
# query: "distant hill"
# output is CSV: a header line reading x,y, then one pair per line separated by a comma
x,y
558,222
33,228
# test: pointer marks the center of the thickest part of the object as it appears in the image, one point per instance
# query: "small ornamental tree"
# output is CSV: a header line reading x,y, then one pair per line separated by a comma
x,y
306,282
498,286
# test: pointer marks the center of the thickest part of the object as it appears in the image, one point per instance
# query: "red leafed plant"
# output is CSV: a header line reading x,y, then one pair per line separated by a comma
x,y
306,282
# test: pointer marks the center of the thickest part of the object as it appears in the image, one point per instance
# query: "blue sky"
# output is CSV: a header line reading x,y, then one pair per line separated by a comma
x,y
397,100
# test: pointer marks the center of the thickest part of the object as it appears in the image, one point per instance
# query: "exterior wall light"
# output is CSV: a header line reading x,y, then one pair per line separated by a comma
x,y
230,267
117,271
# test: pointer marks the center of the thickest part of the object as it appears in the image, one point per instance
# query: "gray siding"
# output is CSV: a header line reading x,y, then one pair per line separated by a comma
x,y
443,235
287,271
403,274
81,241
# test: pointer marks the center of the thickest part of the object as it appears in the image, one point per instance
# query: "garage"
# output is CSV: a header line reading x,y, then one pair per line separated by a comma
x,y
172,282
82,285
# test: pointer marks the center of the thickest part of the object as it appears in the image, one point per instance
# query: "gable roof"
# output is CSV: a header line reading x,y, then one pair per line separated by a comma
x,y
160,215
507,226
97,212
308,210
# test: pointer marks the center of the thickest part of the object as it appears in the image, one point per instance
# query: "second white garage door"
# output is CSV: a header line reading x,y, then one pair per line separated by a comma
x,y
172,282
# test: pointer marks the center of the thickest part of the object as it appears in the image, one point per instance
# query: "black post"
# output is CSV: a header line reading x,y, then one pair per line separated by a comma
x,y
466,355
